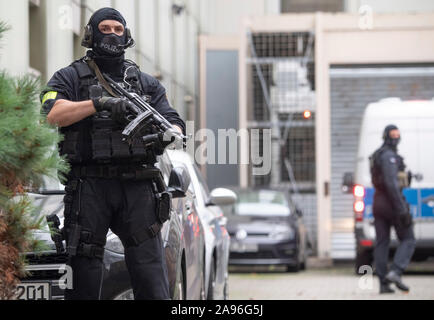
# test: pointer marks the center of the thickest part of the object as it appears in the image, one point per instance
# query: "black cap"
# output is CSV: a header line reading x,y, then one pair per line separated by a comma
x,y
389,128
106,14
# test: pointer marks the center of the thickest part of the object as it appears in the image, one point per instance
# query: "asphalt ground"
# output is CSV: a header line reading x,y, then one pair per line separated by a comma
x,y
338,282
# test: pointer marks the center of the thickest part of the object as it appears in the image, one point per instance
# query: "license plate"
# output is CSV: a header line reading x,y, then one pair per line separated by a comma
x,y
244,247
33,291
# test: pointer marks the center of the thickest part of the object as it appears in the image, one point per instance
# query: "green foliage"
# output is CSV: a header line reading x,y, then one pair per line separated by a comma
x,y
28,152
27,147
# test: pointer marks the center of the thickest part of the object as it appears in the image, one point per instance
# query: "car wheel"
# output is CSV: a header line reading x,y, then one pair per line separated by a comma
x,y
363,258
212,282
181,286
125,295
294,267
303,264
226,290
202,286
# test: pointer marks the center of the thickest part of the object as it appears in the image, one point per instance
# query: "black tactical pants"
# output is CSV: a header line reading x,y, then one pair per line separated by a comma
x,y
124,206
404,252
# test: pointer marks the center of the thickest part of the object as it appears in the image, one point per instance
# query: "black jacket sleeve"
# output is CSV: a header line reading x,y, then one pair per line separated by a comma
x,y
389,166
159,100
62,85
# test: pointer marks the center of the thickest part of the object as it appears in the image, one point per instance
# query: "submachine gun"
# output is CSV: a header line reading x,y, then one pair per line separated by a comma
x,y
146,117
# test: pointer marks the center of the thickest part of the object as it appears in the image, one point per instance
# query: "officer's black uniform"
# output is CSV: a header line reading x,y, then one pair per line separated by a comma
x,y
108,186
390,209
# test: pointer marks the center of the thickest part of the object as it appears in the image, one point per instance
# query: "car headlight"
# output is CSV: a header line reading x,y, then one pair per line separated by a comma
x,y
286,234
114,243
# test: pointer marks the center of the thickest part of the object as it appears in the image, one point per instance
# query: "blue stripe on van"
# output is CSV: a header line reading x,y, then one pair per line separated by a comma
x,y
421,202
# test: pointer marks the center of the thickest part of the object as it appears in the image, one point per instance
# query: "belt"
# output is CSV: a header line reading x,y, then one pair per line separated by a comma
x,y
115,172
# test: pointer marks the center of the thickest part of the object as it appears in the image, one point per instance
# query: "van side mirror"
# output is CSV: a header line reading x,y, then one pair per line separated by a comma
x,y
179,182
348,182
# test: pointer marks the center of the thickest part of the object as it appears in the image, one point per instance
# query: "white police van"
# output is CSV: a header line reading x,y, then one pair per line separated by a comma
x,y
415,120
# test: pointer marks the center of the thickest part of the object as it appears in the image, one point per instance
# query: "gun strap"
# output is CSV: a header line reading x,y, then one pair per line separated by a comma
x,y
100,77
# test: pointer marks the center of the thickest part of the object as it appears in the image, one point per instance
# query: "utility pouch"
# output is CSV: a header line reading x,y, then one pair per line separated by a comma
x,y
69,146
164,205
138,147
95,92
68,199
101,144
73,237
120,148
56,234
403,179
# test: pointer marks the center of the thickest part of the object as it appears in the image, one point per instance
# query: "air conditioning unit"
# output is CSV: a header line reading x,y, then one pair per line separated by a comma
x,y
291,91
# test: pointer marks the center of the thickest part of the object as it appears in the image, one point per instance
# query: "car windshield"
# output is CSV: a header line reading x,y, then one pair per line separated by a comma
x,y
262,203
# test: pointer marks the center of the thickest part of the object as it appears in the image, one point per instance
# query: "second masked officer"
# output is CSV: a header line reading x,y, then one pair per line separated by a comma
x,y
99,194
391,209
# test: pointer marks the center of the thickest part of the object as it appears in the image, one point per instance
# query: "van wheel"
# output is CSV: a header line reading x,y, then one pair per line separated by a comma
x,y
363,258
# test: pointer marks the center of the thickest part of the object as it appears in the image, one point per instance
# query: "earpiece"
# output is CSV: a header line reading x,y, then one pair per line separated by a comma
x,y
87,41
130,41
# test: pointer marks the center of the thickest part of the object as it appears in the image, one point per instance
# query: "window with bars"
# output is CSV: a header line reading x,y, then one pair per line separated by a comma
x,y
312,6
282,71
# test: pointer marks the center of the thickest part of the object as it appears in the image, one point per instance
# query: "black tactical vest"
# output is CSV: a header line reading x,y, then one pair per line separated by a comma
x,y
98,139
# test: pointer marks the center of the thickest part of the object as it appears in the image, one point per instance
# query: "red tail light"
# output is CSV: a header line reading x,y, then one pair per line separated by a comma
x,y
359,207
359,204
366,243
359,191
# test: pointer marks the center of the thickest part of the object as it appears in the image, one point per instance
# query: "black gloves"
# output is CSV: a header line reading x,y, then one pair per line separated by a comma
x,y
119,108
405,218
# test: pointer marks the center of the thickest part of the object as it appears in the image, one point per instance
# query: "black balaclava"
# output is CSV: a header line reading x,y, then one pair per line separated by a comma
x,y
388,141
108,49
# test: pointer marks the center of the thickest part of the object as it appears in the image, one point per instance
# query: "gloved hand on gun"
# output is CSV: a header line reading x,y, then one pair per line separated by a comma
x,y
119,108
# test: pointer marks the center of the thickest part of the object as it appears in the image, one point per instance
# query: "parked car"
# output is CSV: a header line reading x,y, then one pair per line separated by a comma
x,y
266,228
183,237
217,238
415,120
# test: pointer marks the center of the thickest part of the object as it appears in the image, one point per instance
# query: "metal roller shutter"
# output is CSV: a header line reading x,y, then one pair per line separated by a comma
x,y
352,89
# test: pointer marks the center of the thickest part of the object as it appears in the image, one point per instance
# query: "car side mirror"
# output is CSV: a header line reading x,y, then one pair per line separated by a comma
x,y
348,182
222,197
179,181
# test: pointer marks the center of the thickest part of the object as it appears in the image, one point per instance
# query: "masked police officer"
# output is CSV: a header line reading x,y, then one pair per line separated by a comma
x,y
110,185
391,209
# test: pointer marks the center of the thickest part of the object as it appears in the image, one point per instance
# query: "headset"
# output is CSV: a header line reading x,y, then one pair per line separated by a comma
x,y
87,41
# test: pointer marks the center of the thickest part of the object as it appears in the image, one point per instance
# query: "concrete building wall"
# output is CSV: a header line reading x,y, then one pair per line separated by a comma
x,y
14,50
224,17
